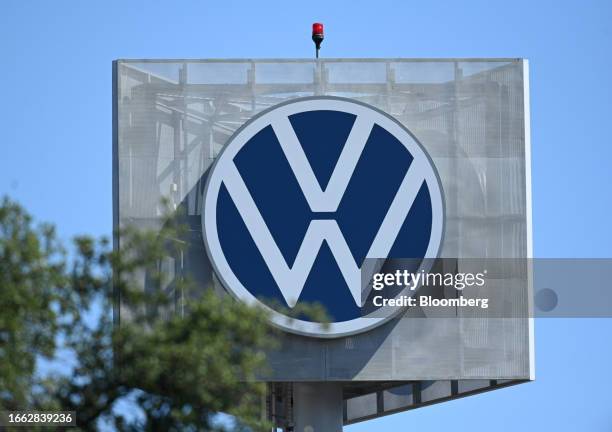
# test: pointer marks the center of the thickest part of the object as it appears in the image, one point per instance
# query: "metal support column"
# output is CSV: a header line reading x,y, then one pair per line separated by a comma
x,y
317,407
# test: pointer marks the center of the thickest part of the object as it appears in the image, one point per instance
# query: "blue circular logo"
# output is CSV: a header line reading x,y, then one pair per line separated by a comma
x,y
305,195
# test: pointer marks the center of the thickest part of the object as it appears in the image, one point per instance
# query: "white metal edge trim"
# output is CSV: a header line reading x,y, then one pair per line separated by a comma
x,y
528,211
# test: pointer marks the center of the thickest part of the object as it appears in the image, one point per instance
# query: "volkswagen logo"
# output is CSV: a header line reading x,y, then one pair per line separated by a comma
x,y
307,192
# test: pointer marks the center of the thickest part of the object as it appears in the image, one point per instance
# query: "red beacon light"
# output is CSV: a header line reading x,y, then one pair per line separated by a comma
x,y
317,35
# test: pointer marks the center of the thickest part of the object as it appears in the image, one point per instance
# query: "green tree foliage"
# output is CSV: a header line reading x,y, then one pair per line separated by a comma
x,y
179,365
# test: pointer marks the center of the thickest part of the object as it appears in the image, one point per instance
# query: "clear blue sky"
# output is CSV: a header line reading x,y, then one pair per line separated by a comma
x,y
56,149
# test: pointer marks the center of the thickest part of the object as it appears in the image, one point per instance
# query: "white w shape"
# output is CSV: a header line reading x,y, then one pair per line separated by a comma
x,y
291,280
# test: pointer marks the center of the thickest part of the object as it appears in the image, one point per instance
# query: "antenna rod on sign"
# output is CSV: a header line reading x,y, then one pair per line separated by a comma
x,y
317,36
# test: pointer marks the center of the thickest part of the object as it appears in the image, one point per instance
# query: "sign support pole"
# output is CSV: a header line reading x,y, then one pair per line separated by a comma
x,y
318,407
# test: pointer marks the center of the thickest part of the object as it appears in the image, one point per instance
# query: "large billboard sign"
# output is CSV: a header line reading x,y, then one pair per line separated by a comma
x,y
303,181
307,190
